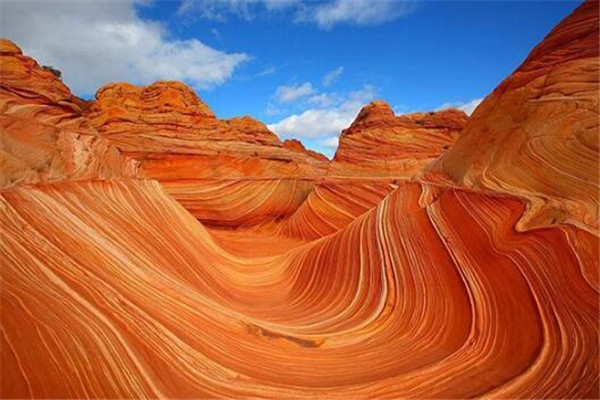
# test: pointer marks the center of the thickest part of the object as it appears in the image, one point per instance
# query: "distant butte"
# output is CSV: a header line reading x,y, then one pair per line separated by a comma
x,y
379,143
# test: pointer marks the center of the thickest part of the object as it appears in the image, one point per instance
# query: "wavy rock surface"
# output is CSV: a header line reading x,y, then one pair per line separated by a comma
x,y
536,135
332,205
145,313
379,143
375,153
373,288
43,135
239,203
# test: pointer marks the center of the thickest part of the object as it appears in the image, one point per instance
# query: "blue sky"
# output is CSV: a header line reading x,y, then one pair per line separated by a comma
x,y
303,67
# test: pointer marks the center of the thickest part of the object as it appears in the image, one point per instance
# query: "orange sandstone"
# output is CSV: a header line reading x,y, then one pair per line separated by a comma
x,y
175,135
373,288
228,173
43,133
379,143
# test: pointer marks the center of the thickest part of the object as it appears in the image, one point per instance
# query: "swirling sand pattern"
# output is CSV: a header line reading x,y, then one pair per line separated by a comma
x,y
333,204
238,203
114,290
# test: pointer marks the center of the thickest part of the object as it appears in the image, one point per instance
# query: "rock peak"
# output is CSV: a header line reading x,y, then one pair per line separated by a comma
x,y
296,145
161,95
8,47
377,110
380,143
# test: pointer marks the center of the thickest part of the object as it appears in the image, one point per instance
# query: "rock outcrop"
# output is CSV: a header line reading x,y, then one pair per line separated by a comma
x,y
536,136
202,161
381,144
174,135
43,134
297,146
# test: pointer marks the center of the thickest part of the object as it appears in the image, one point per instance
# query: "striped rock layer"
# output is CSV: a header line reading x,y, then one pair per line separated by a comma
x,y
113,290
373,286
375,153
379,143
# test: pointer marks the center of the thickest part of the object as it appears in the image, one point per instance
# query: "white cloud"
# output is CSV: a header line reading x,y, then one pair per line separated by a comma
x,y
325,14
325,122
324,99
312,123
331,142
273,109
288,94
216,33
400,109
467,107
332,76
357,12
93,43
267,71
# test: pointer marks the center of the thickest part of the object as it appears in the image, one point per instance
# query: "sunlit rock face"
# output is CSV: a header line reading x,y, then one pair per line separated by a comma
x,y
367,286
375,153
43,135
122,275
536,135
379,143
176,136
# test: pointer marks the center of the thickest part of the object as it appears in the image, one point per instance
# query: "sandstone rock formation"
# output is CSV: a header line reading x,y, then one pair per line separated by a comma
x,y
377,285
165,312
43,135
536,135
379,143
175,135
179,141
296,145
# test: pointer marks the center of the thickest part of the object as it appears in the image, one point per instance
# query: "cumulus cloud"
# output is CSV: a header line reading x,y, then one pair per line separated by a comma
x,y
332,76
288,94
95,42
326,121
467,107
324,14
